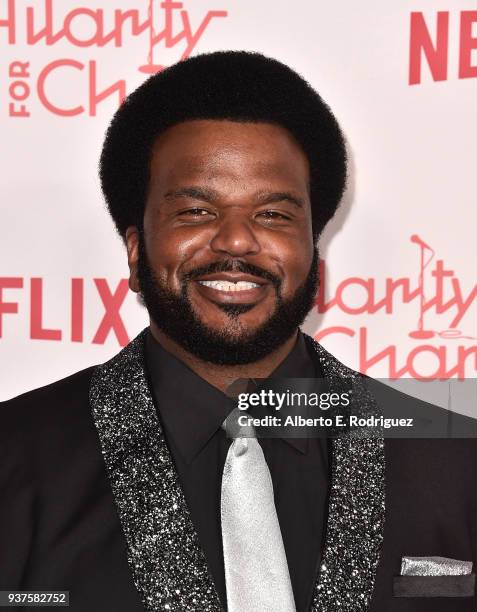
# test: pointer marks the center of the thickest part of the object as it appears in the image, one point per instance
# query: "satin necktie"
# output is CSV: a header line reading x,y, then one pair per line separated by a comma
x,y
256,570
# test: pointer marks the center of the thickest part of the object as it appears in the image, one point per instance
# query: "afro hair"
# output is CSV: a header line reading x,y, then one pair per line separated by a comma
x,y
226,85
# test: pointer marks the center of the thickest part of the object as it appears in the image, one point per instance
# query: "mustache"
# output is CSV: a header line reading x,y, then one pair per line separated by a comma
x,y
233,265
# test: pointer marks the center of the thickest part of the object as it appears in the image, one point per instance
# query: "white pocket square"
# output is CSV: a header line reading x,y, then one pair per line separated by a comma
x,y
434,577
434,566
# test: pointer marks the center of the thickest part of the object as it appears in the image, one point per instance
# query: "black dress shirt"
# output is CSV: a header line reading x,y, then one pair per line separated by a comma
x,y
191,412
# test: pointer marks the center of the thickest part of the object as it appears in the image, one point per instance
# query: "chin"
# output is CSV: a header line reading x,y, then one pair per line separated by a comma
x,y
231,326
243,323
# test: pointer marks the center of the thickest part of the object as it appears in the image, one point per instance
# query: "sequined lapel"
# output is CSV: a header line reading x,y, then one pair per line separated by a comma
x,y
355,527
166,560
167,563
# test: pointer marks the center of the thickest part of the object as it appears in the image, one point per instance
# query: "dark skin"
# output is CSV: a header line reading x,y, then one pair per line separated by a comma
x,y
223,190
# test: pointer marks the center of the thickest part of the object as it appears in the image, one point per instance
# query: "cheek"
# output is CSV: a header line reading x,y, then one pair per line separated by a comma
x,y
172,253
294,259
296,273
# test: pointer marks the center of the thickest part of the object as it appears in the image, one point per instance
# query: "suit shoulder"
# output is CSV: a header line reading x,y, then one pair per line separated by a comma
x,y
35,409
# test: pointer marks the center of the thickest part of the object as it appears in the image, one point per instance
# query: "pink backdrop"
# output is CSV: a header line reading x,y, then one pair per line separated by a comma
x,y
401,78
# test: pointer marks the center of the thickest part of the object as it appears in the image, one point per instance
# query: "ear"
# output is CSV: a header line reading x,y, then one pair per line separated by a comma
x,y
132,245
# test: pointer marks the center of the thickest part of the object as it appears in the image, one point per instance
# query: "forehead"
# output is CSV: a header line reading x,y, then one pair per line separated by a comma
x,y
218,149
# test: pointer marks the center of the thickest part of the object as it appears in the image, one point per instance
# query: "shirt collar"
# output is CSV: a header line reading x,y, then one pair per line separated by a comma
x,y
192,410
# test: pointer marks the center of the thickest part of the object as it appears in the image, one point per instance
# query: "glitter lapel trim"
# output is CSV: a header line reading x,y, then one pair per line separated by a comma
x,y
167,562
355,527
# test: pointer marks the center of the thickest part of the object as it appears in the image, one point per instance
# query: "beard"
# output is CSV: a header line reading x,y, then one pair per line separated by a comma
x,y
174,314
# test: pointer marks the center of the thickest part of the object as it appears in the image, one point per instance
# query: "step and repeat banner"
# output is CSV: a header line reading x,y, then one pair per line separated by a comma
x,y
398,295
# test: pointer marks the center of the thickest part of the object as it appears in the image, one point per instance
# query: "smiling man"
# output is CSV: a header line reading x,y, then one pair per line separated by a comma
x,y
126,485
225,257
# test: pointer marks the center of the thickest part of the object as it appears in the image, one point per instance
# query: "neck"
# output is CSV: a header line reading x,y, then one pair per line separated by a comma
x,y
222,376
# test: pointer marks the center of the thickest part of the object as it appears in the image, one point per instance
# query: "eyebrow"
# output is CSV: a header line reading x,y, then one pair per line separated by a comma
x,y
209,195
197,193
280,196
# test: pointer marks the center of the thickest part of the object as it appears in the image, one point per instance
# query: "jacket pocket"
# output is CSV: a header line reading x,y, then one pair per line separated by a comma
x,y
434,586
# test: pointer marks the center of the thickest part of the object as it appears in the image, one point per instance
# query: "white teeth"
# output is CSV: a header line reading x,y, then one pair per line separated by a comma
x,y
228,286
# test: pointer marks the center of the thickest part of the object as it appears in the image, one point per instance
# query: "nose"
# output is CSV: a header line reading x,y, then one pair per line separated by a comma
x,y
235,237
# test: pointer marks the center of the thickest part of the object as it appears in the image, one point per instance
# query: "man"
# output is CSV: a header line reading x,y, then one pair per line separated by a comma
x,y
120,484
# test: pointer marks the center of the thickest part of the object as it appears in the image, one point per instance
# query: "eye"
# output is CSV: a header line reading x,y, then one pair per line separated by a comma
x,y
273,215
195,212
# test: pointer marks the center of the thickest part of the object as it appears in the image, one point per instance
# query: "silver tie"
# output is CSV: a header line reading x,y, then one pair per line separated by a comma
x,y
256,570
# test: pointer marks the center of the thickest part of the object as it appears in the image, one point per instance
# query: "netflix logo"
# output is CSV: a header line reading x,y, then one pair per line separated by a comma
x,y
111,300
429,47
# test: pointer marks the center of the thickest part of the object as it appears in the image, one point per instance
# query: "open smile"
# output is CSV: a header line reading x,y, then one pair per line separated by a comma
x,y
232,288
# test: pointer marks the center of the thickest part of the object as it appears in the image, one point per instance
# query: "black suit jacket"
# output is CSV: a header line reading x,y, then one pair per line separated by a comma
x,y
90,503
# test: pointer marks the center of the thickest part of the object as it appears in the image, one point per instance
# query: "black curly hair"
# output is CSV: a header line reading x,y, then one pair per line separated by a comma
x,y
234,85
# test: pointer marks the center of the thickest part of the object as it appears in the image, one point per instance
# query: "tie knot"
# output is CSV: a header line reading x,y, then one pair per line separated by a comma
x,y
236,425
